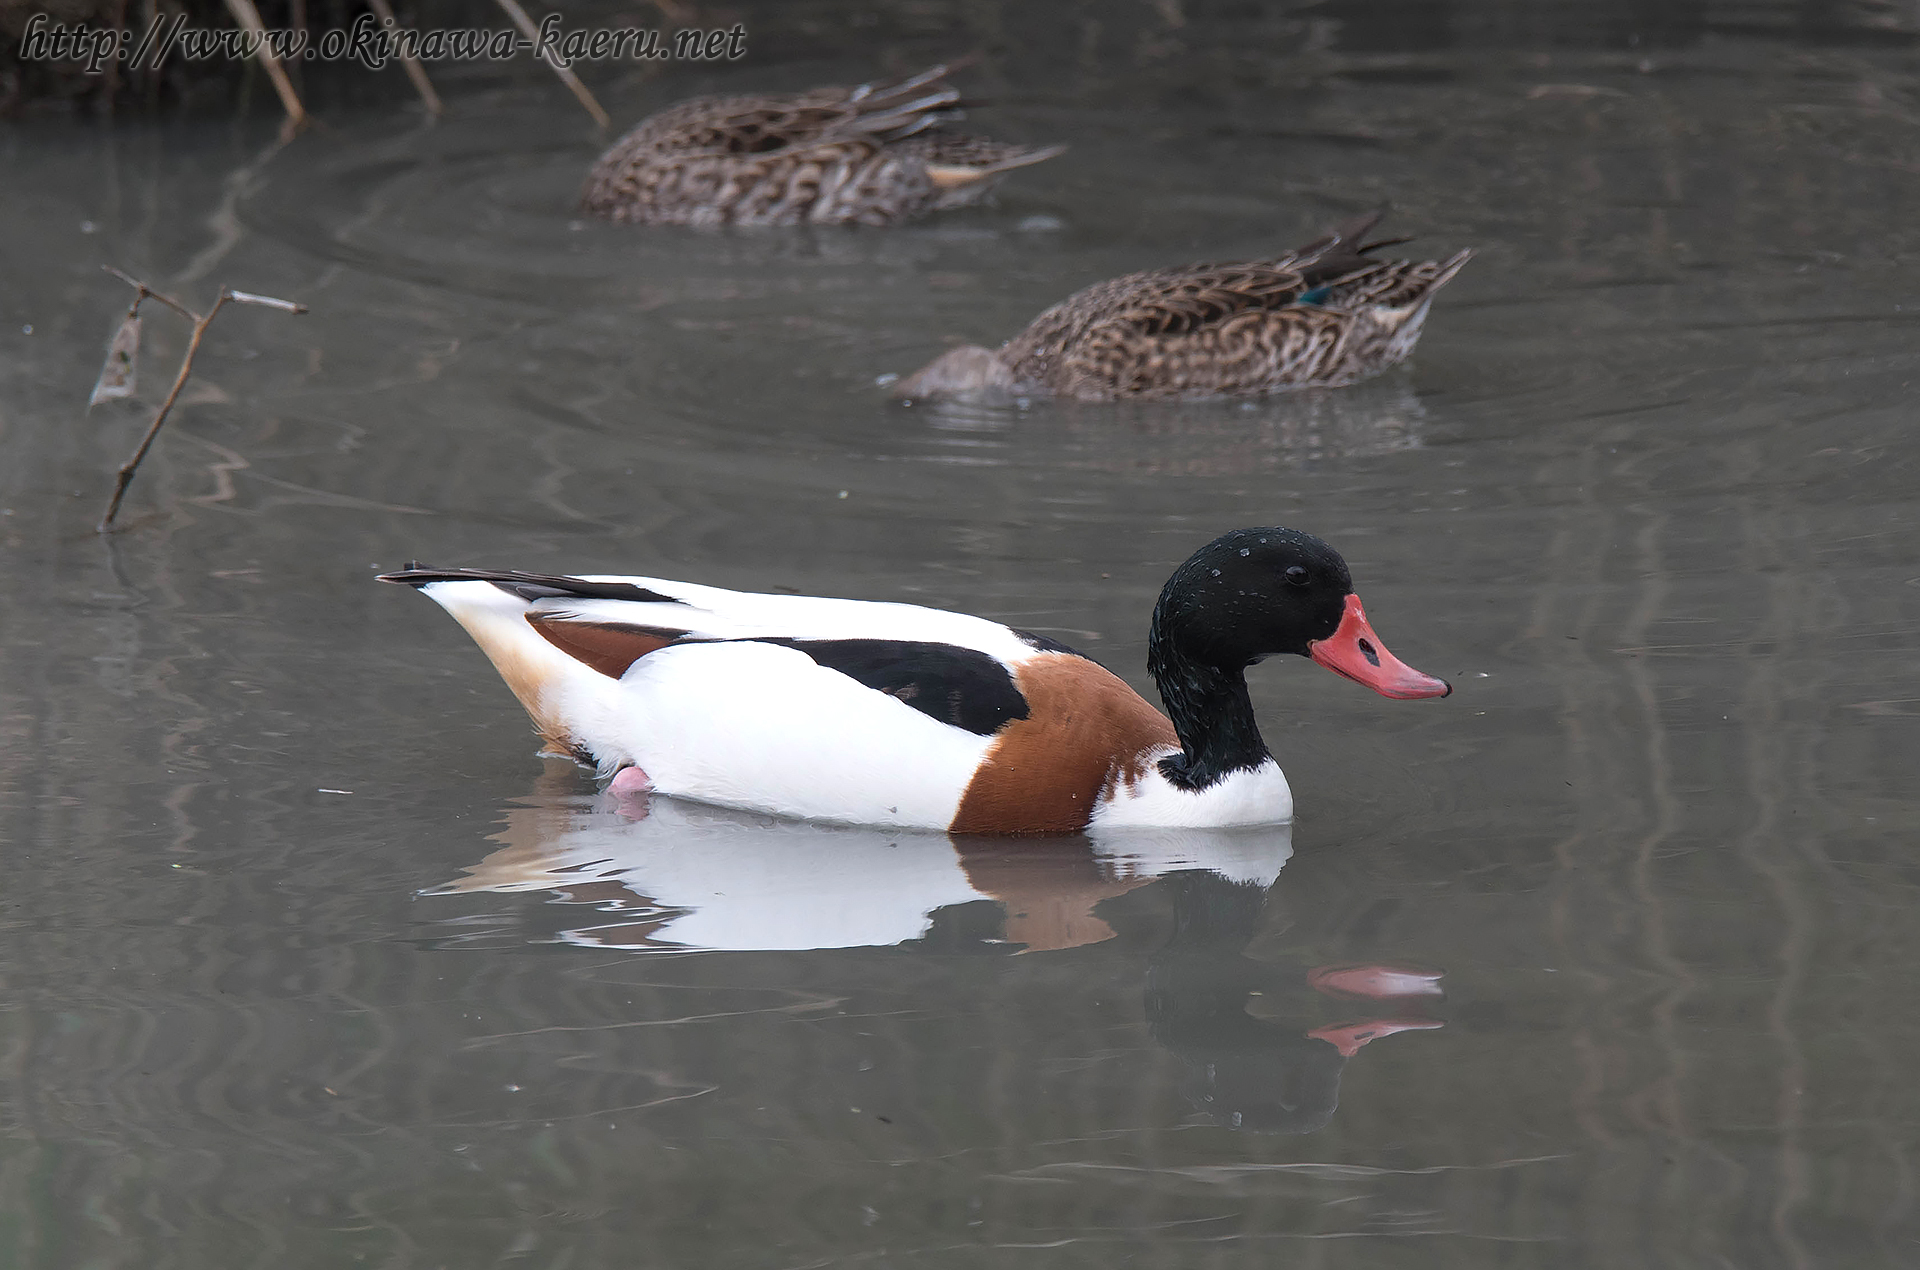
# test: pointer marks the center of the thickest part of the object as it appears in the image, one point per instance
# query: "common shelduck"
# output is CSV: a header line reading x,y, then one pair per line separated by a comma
x,y
887,714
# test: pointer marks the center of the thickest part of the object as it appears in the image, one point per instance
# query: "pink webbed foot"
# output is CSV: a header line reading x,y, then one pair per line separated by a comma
x,y
1349,1037
630,782
628,791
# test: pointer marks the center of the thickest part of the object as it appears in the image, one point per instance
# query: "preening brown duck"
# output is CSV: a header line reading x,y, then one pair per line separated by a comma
x,y
1322,315
893,714
871,155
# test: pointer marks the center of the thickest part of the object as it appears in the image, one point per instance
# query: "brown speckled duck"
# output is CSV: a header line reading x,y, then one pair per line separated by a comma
x,y
870,155
1323,315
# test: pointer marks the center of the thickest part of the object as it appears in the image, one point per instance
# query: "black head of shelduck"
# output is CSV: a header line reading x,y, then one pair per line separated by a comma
x,y
1255,593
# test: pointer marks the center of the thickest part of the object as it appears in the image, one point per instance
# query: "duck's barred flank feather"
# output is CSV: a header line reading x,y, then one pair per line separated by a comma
x,y
531,586
833,156
1325,314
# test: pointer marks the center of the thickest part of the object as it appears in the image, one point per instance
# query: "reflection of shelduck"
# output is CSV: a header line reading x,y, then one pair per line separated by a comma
x,y
1239,1025
684,876
653,874
896,715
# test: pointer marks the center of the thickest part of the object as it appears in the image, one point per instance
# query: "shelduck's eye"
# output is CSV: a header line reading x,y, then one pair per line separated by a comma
x,y
1297,574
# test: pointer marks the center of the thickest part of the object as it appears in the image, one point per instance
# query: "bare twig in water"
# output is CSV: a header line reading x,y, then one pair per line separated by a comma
x,y
200,325
415,72
249,17
567,77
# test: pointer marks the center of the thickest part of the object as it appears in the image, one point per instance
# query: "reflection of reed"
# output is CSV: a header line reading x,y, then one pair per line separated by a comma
x,y
1664,1111
1621,775
1770,622
1768,619
1767,846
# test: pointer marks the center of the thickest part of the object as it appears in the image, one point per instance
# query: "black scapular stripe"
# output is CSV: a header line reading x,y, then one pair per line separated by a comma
x,y
958,686
531,586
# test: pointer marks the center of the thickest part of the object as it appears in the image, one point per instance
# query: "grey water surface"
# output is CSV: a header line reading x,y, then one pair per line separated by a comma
x,y
307,960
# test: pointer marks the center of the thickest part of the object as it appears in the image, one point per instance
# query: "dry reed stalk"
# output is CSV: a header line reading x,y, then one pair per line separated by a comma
x,y
567,77
249,17
411,64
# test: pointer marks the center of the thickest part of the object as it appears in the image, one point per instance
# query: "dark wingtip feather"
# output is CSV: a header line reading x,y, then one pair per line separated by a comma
x,y
880,89
531,586
1337,244
1356,228
414,574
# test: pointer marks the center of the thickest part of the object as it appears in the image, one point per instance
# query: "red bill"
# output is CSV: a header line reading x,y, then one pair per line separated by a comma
x,y
1356,652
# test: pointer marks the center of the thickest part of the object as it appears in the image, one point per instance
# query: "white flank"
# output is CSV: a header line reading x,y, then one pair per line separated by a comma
x,y
766,728
1257,797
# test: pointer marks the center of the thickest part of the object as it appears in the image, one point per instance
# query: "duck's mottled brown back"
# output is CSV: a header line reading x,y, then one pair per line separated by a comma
x,y
1324,314
833,156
